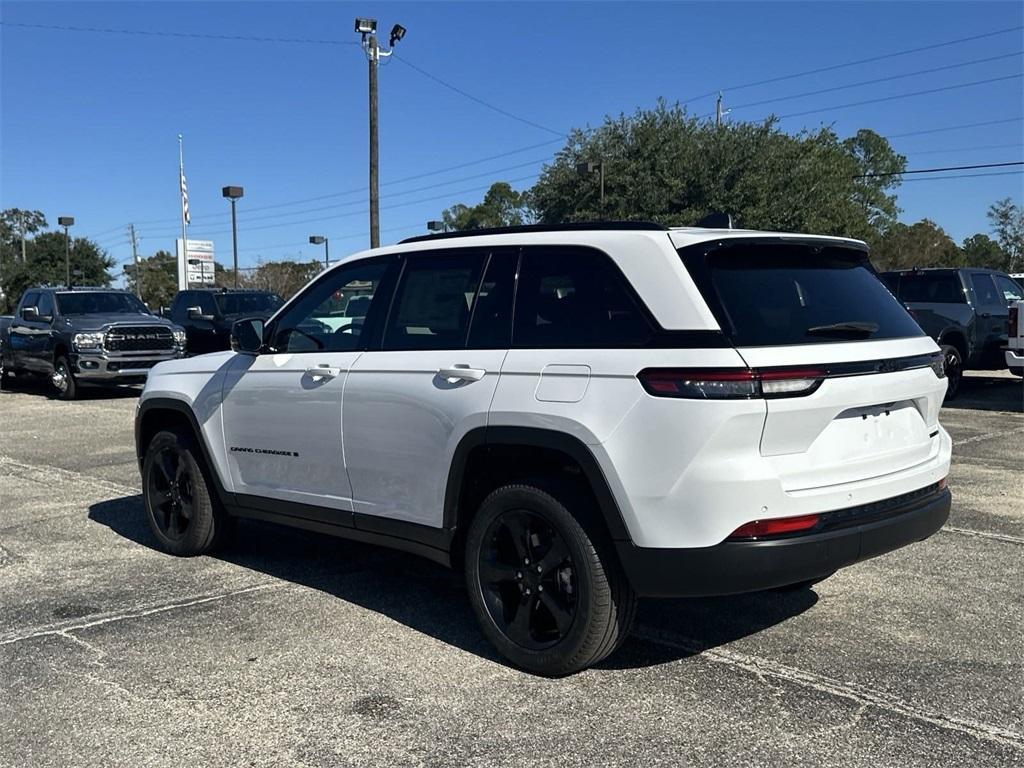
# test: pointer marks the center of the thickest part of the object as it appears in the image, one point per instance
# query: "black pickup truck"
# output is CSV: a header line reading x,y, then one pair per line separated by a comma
x,y
964,310
85,335
207,314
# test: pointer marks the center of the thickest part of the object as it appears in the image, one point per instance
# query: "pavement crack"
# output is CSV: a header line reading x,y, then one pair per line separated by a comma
x,y
763,668
983,534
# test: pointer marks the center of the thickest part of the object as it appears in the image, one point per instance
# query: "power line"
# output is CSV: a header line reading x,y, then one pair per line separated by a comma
x,y
478,100
967,176
875,81
956,127
833,67
901,96
164,33
962,149
938,170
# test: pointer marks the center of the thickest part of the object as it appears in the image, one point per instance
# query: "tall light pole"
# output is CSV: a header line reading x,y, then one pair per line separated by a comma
x,y
317,240
368,29
66,221
233,194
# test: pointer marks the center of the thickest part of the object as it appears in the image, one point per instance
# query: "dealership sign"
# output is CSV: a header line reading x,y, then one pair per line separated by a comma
x,y
195,263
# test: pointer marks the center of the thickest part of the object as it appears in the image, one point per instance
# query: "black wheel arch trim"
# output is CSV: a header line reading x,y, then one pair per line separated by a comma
x,y
537,437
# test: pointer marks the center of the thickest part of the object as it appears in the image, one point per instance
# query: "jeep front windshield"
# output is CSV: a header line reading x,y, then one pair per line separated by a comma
x,y
99,303
248,303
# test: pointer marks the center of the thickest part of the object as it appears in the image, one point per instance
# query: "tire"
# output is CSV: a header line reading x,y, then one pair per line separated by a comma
x,y
181,511
588,608
63,380
954,365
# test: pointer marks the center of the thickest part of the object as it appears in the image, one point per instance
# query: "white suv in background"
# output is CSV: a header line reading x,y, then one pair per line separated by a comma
x,y
575,416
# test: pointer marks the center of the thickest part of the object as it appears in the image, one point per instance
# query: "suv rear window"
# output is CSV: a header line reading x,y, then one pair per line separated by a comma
x,y
770,294
934,287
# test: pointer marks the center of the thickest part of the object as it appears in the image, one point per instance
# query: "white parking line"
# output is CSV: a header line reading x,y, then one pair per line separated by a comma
x,y
64,628
866,697
987,436
984,534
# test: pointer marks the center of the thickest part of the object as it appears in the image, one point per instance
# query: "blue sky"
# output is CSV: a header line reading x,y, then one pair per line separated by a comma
x,y
89,121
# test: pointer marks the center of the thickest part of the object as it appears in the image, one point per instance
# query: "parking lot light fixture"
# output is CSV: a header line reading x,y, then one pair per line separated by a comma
x,y
66,221
317,240
233,194
437,226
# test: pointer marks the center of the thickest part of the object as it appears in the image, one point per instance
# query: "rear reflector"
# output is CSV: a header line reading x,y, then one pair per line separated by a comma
x,y
776,527
730,383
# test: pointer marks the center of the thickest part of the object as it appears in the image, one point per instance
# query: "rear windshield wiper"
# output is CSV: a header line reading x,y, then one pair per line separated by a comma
x,y
852,328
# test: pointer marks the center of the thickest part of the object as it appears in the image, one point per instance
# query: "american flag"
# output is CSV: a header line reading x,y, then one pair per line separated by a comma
x,y
184,199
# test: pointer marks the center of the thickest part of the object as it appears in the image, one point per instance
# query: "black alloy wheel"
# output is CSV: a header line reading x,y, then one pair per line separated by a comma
x,y
954,368
528,580
170,490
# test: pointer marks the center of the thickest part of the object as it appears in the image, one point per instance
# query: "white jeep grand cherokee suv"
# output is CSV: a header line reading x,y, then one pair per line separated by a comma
x,y
575,416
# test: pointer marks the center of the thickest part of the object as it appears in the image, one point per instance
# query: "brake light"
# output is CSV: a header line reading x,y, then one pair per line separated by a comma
x,y
775,527
730,383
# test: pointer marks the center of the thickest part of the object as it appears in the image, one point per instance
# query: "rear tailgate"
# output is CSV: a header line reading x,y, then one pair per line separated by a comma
x,y
818,307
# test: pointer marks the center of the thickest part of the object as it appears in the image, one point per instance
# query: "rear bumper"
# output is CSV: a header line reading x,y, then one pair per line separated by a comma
x,y
734,567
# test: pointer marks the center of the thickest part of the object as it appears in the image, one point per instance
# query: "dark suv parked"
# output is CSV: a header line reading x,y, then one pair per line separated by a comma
x,y
964,310
207,314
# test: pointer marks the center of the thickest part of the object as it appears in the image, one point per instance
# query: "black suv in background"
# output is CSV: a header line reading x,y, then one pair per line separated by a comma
x,y
964,310
207,314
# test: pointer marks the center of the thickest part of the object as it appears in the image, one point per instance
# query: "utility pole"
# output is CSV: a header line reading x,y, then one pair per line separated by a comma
x,y
368,29
135,259
66,221
21,219
719,112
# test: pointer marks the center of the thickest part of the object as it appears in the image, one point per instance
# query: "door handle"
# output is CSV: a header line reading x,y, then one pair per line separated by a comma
x,y
461,372
323,372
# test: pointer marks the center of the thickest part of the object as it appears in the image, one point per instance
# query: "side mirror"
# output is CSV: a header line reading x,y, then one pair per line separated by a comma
x,y
30,313
247,336
196,313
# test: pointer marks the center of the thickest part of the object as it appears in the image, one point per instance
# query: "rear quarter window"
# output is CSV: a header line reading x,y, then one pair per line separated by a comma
x,y
772,294
931,287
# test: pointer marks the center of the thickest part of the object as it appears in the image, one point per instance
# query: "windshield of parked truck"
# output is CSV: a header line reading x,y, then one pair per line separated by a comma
x,y
99,303
248,303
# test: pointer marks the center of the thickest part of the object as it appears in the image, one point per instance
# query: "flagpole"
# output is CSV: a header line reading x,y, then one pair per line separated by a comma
x,y
183,269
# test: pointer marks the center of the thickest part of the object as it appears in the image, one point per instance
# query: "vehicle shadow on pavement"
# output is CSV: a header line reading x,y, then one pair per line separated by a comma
x,y
989,393
25,385
432,599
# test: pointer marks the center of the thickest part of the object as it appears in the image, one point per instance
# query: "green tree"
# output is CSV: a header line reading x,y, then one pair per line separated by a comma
x,y
982,251
923,244
15,224
667,166
502,206
159,279
45,265
1008,224
284,278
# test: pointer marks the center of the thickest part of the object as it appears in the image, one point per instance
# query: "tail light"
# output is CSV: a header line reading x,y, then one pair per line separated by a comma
x,y
730,383
1011,321
779,526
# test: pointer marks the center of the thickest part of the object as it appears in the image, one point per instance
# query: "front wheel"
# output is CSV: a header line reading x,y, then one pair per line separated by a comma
x,y
548,594
954,366
179,506
63,380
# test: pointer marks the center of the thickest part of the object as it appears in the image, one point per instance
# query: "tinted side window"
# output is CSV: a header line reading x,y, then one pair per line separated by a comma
x,y
491,323
575,297
45,304
178,306
1010,290
316,322
29,301
205,303
433,301
985,289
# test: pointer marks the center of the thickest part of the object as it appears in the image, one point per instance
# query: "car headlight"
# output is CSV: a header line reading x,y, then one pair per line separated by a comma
x,y
88,340
179,337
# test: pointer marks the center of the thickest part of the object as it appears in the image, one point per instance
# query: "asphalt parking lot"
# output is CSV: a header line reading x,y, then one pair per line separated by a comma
x,y
292,649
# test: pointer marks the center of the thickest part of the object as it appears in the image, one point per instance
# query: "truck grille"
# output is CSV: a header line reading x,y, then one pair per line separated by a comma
x,y
138,339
